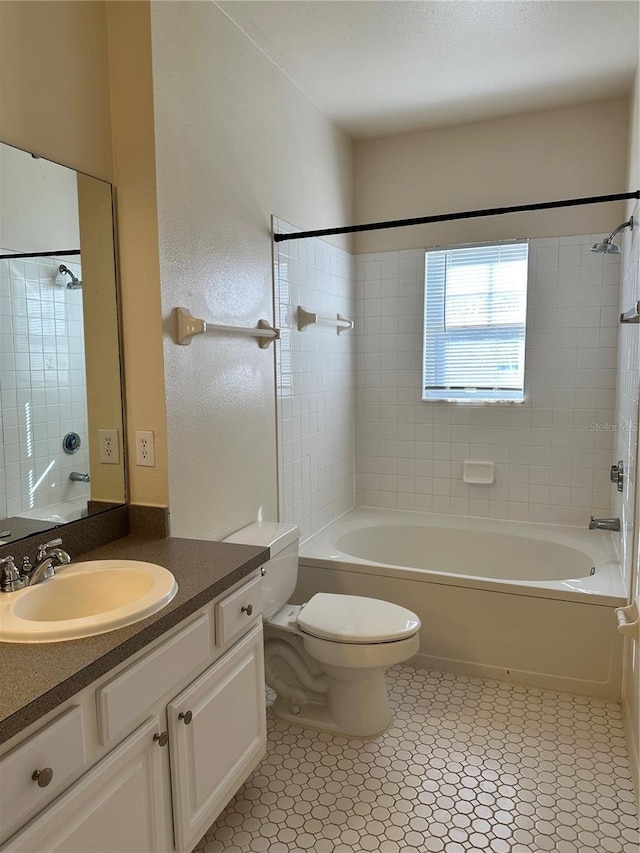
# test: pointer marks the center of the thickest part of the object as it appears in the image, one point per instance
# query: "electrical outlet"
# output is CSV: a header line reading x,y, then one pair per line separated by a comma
x,y
145,448
109,446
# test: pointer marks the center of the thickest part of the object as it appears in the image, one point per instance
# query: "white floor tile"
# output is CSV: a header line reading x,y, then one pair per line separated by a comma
x,y
466,766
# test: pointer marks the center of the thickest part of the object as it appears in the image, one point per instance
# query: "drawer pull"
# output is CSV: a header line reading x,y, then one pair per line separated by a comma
x,y
162,738
186,717
248,609
43,777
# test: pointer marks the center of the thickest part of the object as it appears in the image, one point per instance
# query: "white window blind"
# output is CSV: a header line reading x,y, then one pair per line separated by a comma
x,y
474,323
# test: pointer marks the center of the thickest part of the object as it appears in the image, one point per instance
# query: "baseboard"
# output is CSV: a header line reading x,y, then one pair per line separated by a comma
x,y
558,684
634,747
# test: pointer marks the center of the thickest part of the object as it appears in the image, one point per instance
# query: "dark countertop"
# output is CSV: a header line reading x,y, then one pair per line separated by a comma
x,y
37,677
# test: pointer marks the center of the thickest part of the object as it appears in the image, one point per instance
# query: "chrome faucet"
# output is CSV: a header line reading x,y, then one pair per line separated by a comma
x,y
605,524
77,477
49,557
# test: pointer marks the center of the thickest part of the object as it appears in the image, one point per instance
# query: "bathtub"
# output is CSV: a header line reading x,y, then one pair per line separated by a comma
x,y
529,603
58,513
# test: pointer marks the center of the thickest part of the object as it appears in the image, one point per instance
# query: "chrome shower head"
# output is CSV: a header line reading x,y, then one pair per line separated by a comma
x,y
75,283
608,247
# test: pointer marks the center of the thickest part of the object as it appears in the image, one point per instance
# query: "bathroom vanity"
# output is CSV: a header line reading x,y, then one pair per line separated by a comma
x,y
137,739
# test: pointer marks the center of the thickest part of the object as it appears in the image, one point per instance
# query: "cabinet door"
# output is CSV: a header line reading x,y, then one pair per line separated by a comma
x,y
116,806
219,739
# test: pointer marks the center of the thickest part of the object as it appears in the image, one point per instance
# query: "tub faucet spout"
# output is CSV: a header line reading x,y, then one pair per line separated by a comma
x,y
605,524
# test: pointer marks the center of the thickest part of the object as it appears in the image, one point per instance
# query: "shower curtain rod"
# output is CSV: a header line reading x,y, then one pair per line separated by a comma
x,y
40,254
447,217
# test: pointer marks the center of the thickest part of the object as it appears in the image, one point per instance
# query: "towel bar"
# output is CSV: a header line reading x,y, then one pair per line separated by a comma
x,y
187,326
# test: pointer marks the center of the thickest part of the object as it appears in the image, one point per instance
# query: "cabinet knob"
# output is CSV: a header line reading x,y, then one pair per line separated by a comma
x,y
248,609
162,738
187,716
43,777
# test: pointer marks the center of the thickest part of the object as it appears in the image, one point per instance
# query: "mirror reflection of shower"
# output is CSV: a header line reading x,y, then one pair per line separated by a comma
x,y
74,282
607,246
44,386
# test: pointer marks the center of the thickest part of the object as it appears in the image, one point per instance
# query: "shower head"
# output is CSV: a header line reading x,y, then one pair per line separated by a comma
x,y
607,246
74,283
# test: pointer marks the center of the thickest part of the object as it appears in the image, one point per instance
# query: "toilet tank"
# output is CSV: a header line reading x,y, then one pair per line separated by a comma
x,y
282,568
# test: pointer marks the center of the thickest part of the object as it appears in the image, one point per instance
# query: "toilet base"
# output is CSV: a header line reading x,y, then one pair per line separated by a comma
x,y
355,709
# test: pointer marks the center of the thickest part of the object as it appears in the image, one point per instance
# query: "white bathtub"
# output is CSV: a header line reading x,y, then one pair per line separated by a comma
x,y
526,602
58,513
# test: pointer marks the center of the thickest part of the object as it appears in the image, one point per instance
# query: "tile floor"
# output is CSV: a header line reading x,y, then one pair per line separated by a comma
x,y
467,766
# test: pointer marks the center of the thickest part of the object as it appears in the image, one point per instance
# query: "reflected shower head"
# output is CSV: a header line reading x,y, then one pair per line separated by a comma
x,y
608,247
74,283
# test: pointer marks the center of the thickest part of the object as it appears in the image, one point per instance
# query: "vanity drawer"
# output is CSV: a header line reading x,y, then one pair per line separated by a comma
x,y
128,696
56,751
235,614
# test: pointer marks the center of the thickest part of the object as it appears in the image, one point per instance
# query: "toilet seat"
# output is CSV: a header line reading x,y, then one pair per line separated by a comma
x,y
354,619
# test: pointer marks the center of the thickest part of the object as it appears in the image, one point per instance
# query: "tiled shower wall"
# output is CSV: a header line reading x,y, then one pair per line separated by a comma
x,y
42,384
315,370
628,398
552,453
626,448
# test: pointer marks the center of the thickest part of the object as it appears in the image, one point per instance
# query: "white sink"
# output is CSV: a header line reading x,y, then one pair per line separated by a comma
x,y
84,599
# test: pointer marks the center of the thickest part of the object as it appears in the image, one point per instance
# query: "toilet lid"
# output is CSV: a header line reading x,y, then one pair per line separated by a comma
x,y
354,619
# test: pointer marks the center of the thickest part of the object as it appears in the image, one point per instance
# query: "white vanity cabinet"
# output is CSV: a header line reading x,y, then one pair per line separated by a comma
x,y
116,807
168,739
217,732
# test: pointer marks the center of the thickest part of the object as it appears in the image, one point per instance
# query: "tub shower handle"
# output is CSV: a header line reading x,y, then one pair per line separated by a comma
x,y
617,475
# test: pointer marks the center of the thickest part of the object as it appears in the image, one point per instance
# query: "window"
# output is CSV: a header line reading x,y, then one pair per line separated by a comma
x,y
474,323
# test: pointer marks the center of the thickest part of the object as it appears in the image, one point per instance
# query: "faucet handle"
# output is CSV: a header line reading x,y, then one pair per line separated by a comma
x,y
42,549
10,579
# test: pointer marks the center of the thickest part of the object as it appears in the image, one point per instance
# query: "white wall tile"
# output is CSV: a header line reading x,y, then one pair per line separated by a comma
x,y
570,381
38,386
315,384
625,423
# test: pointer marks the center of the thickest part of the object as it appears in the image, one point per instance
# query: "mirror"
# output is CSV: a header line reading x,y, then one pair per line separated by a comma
x,y
61,419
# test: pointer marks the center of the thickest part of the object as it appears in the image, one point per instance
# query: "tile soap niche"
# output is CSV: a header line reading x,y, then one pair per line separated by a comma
x,y
479,473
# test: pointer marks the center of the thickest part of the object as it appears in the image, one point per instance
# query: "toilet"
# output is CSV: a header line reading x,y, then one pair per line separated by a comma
x,y
326,659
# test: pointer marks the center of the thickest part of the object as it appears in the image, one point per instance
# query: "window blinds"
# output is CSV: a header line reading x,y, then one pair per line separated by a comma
x,y
474,323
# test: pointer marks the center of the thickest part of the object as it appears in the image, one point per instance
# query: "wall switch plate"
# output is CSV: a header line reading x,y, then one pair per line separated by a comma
x,y
145,448
109,446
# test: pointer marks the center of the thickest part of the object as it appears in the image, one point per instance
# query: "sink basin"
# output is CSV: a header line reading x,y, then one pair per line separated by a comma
x,y
84,599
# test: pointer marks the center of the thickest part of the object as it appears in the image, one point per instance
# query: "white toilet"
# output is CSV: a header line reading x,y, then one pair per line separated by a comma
x,y
326,659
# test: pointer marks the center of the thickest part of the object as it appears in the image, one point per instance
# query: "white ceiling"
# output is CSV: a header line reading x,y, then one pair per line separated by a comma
x,y
380,67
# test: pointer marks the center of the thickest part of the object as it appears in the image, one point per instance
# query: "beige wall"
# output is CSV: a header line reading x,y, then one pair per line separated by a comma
x,y
54,82
557,154
236,142
75,87
101,334
129,29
